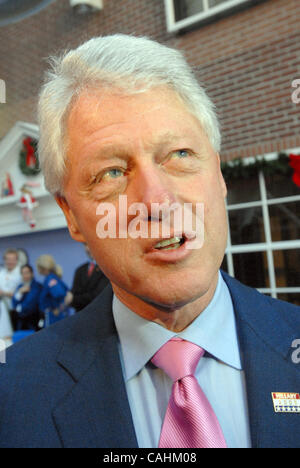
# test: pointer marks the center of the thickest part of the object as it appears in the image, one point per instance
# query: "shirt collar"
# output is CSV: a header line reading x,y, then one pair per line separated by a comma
x,y
15,271
214,330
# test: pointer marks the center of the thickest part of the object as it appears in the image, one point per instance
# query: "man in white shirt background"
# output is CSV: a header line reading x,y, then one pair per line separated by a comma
x,y
10,278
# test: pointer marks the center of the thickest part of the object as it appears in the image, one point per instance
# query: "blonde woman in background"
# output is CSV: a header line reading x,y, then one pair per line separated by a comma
x,y
54,295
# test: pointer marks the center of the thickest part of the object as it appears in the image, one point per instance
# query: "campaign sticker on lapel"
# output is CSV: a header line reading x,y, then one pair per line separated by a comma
x,y
286,402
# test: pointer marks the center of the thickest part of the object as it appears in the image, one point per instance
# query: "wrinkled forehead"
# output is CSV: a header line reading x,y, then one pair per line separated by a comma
x,y
99,114
87,106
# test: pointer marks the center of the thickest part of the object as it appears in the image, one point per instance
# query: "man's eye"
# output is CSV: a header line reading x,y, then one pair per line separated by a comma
x,y
182,161
112,174
180,154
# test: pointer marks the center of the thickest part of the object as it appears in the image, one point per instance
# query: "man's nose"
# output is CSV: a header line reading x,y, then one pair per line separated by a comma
x,y
152,185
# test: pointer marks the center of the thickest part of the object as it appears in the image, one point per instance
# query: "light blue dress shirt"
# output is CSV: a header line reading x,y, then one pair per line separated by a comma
x,y
219,375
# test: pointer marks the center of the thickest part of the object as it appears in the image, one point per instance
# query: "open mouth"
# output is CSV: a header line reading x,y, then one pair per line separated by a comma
x,y
170,244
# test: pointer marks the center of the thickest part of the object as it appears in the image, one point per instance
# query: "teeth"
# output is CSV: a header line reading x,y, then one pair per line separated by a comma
x,y
172,247
167,242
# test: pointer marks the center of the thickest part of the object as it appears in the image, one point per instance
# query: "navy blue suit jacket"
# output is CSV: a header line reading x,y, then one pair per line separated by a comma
x,y
63,387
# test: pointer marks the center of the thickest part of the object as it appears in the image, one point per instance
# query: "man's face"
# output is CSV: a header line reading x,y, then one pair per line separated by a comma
x,y
27,275
11,261
150,148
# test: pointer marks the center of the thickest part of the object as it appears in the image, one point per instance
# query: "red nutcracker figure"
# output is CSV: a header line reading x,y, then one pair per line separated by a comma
x,y
7,187
27,202
30,156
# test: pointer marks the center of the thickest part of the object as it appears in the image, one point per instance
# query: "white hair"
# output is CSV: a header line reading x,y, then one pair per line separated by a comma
x,y
127,63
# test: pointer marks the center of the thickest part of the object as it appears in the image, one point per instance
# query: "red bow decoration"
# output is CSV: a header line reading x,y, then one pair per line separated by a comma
x,y
295,164
30,156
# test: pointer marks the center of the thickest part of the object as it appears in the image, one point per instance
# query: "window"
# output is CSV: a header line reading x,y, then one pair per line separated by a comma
x,y
264,235
184,13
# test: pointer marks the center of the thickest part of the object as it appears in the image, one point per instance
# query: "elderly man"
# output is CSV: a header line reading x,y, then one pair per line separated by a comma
x,y
10,277
174,353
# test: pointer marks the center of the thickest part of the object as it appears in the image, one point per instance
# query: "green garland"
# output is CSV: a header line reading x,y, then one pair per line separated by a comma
x,y
239,169
29,171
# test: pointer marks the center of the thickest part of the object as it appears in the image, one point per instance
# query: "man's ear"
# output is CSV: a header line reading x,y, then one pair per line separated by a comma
x,y
222,181
70,218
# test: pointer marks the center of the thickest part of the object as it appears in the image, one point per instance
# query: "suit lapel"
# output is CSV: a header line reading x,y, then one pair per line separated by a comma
x,y
95,410
265,346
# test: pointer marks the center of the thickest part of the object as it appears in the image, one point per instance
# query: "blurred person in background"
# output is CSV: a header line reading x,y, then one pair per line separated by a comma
x,y
10,277
55,293
25,301
88,282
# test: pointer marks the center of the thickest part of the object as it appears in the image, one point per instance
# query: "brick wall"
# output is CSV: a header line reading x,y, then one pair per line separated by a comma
x,y
246,61
24,46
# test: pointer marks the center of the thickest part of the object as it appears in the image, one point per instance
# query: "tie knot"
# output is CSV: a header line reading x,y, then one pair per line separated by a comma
x,y
178,358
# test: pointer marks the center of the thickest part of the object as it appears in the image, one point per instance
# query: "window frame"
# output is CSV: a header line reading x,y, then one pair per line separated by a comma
x,y
173,25
268,246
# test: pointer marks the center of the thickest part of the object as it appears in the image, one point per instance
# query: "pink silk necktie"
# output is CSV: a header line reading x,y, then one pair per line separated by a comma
x,y
190,421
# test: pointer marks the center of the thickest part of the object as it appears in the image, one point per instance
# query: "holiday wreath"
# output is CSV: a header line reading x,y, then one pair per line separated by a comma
x,y
28,161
